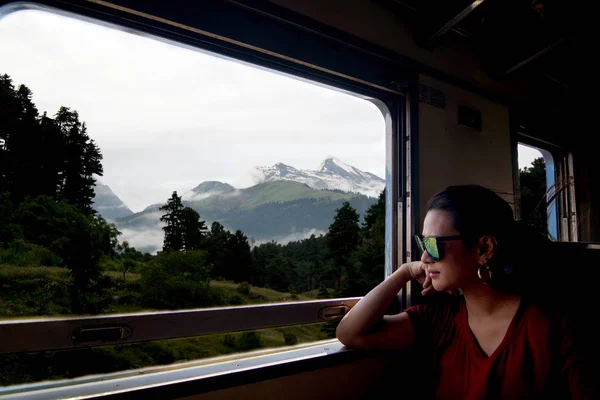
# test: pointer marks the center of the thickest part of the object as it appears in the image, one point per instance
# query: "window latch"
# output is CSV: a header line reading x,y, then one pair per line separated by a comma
x,y
105,333
333,313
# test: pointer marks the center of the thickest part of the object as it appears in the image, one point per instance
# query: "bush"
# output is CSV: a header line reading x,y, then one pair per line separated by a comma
x,y
24,254
161,290
179,280
249,341
229,341
323,293
289,338
329,328
244,288
109,264
190,264
94,299
33,295
236,300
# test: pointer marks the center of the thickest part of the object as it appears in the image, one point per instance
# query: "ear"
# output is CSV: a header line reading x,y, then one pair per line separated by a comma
x,y
486,248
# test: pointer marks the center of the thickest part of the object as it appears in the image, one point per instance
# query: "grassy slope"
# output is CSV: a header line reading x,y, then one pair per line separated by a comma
x,y
24,288
23,284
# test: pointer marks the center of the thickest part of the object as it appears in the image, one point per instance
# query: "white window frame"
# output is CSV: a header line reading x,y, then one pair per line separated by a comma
x,y
560,189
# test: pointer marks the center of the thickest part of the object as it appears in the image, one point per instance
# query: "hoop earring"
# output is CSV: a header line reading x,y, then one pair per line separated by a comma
x,y
484,273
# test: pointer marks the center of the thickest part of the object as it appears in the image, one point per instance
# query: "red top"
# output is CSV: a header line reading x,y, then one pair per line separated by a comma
x,y
536,359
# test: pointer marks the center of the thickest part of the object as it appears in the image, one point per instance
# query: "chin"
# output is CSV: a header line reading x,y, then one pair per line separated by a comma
x,y
441,286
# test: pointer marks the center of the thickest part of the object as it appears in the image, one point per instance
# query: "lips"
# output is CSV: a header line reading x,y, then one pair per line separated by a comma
x,y
432,271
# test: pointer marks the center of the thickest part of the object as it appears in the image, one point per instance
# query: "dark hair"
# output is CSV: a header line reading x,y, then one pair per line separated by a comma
x,y
477,211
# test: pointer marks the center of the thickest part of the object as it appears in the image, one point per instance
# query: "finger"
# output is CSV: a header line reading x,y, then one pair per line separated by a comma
x,y
414,266
427,281
418,273
427,291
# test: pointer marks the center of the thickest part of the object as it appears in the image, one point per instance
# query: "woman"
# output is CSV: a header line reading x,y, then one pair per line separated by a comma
x,y
495,338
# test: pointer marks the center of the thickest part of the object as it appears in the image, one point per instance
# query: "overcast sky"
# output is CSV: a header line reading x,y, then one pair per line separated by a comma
x,y
168,118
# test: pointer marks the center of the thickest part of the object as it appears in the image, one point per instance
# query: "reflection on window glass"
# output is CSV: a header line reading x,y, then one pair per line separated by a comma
x,y
537,185
139,175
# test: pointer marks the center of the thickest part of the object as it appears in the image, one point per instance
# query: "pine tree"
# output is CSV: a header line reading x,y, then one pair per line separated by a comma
x,y
41,156
82,160
9,111
240,261
194,229
261,257
174,229
218,249
368,263
375,212
21,134
343,239
50,159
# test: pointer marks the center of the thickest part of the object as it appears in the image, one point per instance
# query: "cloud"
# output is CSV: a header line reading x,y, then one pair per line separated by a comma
x,y
150,239
153,217
147,240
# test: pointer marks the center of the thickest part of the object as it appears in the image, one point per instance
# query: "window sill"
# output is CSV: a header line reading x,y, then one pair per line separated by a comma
x,y
191,377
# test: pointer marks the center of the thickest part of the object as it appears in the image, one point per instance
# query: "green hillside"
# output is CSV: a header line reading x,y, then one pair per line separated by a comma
x,y
263,193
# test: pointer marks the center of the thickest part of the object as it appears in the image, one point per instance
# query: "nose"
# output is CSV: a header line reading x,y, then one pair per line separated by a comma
x,y
426,259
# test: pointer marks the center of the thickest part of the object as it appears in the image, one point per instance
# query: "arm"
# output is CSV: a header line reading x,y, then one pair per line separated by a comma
x,y
366,326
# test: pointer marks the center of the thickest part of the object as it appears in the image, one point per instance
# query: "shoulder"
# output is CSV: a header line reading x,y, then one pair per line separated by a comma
x,y
560,317
564,325
436,313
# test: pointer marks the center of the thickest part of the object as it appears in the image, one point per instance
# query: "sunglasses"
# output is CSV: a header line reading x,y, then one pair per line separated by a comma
x,y
432,245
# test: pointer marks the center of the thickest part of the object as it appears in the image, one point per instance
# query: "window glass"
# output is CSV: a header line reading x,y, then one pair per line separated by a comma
x,y
138,175
538,205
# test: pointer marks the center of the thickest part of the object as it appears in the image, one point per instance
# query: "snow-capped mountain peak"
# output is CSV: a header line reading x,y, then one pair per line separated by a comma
x,y
280,170
333,173
336,166
333,162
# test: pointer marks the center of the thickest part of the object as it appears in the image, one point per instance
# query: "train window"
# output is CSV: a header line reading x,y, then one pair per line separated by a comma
x,y
139,175
539,190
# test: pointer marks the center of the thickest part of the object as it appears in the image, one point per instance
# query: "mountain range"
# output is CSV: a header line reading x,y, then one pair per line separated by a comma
x,y
108,204
331,174
286,204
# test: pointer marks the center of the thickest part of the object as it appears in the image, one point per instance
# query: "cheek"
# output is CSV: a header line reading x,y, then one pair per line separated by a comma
x,y
451,277
454,278
465,260
458,269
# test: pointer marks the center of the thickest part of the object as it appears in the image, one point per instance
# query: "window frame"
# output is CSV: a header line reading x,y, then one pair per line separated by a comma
x,y
326,58
191,378
60,333
562,218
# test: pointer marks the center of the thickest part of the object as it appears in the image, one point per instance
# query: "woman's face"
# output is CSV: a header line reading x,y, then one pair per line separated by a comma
x,y
458,266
